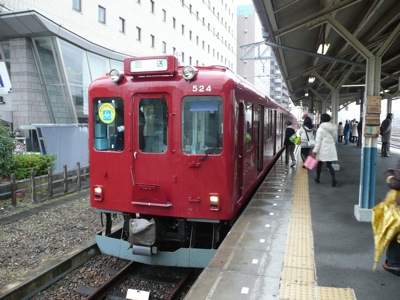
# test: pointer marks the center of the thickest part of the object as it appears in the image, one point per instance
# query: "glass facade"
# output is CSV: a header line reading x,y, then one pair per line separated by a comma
x,y
67,71
50,70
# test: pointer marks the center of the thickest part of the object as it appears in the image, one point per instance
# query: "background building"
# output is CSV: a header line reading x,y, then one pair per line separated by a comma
x,y
256,61
51,50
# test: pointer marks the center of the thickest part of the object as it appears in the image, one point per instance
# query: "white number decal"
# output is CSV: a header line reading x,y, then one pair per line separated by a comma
x,y
201,88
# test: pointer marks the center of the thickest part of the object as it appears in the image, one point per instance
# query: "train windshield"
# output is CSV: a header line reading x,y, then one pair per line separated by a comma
x,y
202,126
109,127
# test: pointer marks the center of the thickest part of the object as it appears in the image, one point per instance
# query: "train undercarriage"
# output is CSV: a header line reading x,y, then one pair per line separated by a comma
x,y
163,240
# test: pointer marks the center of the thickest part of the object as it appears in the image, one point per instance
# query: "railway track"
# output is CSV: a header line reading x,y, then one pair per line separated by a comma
x,y
88,274
161,282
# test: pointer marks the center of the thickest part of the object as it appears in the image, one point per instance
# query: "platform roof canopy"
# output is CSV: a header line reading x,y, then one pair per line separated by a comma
x,y
296,29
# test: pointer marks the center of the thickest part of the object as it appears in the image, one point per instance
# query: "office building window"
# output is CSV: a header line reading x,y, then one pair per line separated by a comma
x,y
173,23
152,41
76,4
138,34
102,14
121,25
164,47
164,15
183,29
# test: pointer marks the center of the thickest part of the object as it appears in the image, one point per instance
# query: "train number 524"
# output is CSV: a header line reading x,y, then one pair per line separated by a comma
x,y
201,88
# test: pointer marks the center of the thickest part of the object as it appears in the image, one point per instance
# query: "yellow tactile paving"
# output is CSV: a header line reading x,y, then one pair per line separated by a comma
x,y
298,281
326,293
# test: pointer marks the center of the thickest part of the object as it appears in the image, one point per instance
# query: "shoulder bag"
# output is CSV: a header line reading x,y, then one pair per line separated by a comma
x,y
311,144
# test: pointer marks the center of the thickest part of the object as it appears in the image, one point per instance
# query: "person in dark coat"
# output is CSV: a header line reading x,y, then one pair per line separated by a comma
x,y
289,146
386,133
359,129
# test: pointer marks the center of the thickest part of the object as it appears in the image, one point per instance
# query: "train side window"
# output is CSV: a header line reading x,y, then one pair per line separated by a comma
x,y
202,126
153,125
249,126
108,124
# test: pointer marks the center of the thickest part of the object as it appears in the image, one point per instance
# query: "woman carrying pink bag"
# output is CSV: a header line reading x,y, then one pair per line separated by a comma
x,y
310,163
325,147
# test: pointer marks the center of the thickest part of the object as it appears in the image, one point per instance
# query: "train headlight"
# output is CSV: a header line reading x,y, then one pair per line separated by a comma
x,y
115,75
98,193
189,72
214,201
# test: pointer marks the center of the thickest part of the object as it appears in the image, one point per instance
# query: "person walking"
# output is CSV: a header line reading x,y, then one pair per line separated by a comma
x,y
346,132
289,146
340,132
307,134
325,147
386,133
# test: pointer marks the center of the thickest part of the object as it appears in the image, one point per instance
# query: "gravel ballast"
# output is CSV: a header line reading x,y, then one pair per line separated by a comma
x,y
41,232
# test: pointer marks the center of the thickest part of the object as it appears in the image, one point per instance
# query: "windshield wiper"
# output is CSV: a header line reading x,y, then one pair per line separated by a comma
x,y
211,150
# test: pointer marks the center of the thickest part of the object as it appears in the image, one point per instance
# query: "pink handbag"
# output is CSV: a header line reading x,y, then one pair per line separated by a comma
x,y
310,163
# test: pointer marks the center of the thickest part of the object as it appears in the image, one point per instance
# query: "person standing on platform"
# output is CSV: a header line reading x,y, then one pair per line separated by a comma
x,y
340,132
354,132
386,132
289,146
325,147
392,262
359,130
346,132
307,134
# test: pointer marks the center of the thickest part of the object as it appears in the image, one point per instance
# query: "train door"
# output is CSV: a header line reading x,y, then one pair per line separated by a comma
x,y
151,160
260,140
240,151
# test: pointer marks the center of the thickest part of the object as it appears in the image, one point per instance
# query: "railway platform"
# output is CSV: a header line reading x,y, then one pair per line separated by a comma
x,y
298,239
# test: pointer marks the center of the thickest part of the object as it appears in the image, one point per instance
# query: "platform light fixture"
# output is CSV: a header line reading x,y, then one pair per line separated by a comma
x,y
311,79
323,48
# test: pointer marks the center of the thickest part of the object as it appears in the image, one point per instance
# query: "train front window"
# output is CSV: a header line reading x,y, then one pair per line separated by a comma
x,y
108,122
202,126
153,125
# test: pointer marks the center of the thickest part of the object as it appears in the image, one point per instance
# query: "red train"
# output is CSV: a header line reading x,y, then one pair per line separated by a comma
x,y
178,151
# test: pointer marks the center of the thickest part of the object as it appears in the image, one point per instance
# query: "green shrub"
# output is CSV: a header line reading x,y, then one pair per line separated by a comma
x,y
7,145
24,163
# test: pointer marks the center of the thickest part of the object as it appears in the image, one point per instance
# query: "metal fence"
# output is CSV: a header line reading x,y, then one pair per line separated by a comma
x,y
44,187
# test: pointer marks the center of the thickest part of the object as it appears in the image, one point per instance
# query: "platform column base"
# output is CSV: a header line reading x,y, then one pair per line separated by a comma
x,y
362,214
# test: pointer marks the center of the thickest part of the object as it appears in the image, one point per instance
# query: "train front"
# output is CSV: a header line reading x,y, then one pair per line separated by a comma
x,y
157,157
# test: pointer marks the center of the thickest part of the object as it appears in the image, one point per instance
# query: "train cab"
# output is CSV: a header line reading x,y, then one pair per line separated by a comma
x,y
176,150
